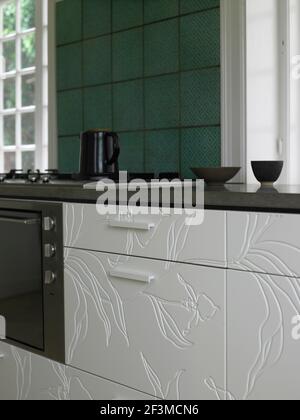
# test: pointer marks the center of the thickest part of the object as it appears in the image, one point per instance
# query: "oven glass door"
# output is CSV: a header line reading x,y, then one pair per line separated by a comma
x,y
21,278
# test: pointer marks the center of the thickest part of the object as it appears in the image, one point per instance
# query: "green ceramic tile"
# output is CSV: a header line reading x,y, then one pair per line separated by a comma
x,y
188,6
201,97
200,40
127,14
162,151
128,106
69,69
68,154
97,61
128,55
98,107
132,152
200,147
68,21
96,17
162,102
161,48
69,112
160,9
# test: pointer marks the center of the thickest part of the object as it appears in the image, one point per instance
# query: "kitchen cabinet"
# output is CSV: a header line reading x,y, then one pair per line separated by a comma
x,y
152,325
262,336
165,237
25,376
264,242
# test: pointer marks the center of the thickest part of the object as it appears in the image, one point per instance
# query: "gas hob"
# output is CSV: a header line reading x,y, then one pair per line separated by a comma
x,y
56,178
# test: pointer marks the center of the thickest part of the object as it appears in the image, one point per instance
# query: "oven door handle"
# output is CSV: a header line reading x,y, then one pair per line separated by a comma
x,y
20,221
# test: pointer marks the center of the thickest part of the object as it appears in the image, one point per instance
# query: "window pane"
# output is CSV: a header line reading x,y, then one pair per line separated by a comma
x,y
9,98
9,55
28,51
28,90
9,161
27,160
9,18
9,126
28,129
28,14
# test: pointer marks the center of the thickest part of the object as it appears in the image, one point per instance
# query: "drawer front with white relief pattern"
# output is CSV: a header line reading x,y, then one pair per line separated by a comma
x,y
155,326
25,376
264,243
263,337
165,237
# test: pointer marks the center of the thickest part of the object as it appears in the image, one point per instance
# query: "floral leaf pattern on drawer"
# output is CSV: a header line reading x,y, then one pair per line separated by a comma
x,y
167,324
101,292
221,394
66,384
176,241
172,391
23,373
73,224
278,300
260,245
199,304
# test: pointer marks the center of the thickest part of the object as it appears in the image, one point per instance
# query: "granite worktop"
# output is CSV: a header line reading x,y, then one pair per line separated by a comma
x,y
283,198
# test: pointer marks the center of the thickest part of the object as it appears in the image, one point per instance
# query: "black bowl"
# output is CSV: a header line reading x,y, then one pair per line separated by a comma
x,y
216,176
267,172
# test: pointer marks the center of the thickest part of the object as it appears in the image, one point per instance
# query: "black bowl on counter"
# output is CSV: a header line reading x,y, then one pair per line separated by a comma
x,y
267,172
216,176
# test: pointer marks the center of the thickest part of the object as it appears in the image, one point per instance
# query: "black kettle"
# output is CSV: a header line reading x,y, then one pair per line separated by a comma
x,y
99,153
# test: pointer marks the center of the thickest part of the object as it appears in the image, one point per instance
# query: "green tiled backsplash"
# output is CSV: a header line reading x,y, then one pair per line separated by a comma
x,y
148,69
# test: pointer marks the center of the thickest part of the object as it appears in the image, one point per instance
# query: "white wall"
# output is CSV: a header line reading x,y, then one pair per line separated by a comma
x,y
262,82
295,93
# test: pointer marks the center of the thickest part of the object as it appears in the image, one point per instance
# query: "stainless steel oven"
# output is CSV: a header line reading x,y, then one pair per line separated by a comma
x,y
31,276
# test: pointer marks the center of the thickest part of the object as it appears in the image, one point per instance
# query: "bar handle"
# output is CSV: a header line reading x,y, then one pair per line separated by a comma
x,y
20,221
132,275
124,224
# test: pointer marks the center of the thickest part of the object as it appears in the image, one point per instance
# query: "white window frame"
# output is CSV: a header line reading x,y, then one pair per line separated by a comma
x,y
44,16
234,87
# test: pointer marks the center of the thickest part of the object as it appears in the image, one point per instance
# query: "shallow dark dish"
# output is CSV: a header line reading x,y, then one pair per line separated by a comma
x,y
216,176
267,172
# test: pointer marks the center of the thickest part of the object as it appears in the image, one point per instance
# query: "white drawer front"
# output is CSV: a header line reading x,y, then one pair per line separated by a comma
x,y
265,243
160,237
150,325
263,337
25,376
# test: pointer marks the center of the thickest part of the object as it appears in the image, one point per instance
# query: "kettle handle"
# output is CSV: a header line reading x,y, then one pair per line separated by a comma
x,y
116,152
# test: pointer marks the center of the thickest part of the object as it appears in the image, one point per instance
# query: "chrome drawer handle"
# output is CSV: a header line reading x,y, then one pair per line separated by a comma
x,y
123,224
132,275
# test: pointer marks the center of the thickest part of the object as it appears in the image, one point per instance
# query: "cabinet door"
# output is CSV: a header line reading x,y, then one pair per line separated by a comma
x,y
263,336
165,237
264,242
151,325
25,376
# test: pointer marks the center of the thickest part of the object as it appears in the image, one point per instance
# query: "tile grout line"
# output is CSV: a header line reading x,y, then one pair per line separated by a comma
x,y
112,90
140,26
156,76
82,69
144,94
179,93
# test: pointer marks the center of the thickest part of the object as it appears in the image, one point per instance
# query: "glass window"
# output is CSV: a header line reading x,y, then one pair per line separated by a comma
x,y
23,29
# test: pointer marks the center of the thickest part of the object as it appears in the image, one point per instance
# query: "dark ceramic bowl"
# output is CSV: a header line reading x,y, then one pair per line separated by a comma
x,y
216,176
267,172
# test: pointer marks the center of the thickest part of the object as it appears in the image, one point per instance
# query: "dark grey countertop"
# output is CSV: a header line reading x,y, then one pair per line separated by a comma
x,y
231,197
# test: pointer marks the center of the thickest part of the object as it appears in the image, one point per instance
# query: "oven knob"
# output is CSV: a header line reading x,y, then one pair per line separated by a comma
x,y
49,250
49,224
50,278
